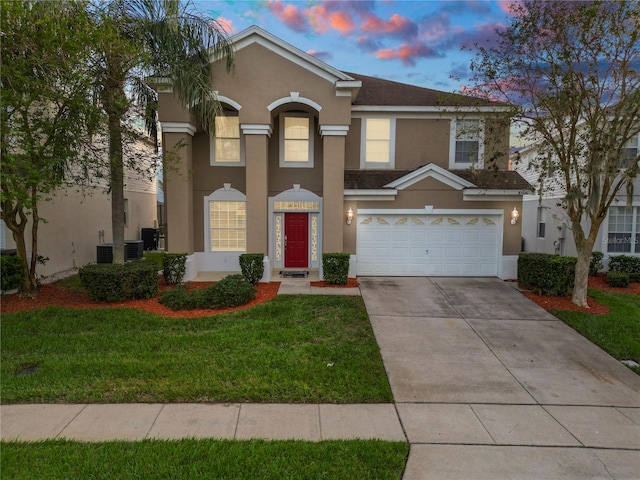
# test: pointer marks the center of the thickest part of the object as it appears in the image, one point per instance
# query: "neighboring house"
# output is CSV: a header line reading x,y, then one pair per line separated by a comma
x,y
308,159
548,228
76,219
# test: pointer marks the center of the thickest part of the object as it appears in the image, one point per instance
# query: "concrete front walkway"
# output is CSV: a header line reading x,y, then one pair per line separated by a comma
x,y
490,386
104,422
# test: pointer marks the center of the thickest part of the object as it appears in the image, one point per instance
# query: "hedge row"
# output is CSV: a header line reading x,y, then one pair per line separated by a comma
x,y
231,291
112,282
546,274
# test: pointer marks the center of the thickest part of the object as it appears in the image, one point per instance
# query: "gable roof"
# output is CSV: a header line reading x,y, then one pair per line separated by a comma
x,y
477,179
255,34
380,92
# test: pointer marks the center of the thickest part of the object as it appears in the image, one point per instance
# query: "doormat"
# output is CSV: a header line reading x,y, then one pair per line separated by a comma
x,y
285,274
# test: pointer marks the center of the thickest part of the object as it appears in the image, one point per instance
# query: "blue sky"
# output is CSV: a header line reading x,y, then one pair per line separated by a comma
x,y
417,42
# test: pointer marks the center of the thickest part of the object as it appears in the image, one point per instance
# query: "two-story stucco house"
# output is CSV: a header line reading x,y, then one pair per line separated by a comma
x,y
308,159
549,227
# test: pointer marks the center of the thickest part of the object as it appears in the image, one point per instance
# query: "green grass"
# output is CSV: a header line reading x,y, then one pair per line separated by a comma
x,y
71,283
298,349
189,459
617,332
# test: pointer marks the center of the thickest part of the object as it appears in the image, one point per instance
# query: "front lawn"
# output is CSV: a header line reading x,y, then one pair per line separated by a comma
x,y
189,459
617,332
293,349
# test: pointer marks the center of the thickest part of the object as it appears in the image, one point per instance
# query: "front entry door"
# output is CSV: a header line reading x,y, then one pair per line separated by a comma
x,y
296,243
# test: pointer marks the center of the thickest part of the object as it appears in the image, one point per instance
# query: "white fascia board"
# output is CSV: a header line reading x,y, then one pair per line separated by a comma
x,y
430,171
255,34
425,109
370,195
490,195
428,210
178,127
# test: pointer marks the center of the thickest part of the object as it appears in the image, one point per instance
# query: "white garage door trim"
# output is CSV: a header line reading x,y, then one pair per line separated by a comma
x,y
429,242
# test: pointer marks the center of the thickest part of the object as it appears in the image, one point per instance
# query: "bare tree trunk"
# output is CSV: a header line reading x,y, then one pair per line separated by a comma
x,y
17,228
35,221
581,281
116,171
584,247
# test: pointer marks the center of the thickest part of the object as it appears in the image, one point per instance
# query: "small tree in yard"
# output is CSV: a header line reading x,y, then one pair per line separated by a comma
x,y
571,71
151,38
46,112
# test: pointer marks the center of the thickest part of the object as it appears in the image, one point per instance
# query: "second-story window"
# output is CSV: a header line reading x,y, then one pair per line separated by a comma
x,y
377,143
467,143
296,140
630,152
227,147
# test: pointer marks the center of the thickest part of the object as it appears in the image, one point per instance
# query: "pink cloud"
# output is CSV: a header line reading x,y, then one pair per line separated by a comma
x,y
395,25
342,22
322,19
290,15
227,25
406,53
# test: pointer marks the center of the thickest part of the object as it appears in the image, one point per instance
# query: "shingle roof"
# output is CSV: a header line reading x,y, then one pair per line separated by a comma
x,y
379,92
485,179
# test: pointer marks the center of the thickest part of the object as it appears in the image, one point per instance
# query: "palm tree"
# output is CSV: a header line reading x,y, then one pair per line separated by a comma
x,y
142,39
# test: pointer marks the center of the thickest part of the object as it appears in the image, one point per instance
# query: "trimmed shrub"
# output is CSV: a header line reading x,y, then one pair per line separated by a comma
x,y
173,267
105,281
618,279
141,277
626,264
182,299
11,272
335,268
252,267
595,264
546,274
232,291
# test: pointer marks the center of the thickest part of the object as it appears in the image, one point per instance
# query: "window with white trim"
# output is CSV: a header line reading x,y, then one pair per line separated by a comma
x,y
468,143
542,225
630,152
624,230
378,143
227,148
228,224
296,140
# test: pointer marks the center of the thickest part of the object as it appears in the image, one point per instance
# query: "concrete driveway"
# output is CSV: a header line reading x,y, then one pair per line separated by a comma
x,y
489,385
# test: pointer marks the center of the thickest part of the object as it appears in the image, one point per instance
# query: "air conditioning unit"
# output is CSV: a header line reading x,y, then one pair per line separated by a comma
x,y
133,251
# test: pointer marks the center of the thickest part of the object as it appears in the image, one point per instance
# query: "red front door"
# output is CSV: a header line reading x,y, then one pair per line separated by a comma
x,y
296,247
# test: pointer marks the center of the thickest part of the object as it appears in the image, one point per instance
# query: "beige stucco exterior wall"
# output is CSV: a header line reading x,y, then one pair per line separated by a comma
x,y
73,222
261,77
178,193
422,141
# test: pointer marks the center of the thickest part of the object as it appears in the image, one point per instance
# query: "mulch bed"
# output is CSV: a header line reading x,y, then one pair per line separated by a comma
x,y
51,295
564,303
351,283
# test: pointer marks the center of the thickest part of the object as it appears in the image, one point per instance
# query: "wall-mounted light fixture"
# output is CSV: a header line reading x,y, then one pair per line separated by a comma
x,y
515,215
349,216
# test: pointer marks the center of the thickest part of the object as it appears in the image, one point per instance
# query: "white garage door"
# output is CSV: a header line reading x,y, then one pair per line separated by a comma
x,y
425,245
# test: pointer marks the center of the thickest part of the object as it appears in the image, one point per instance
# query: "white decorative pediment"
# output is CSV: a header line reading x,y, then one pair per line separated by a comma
x,y
430,171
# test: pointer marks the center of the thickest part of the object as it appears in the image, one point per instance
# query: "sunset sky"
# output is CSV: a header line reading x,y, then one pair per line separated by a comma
x,y
417,42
